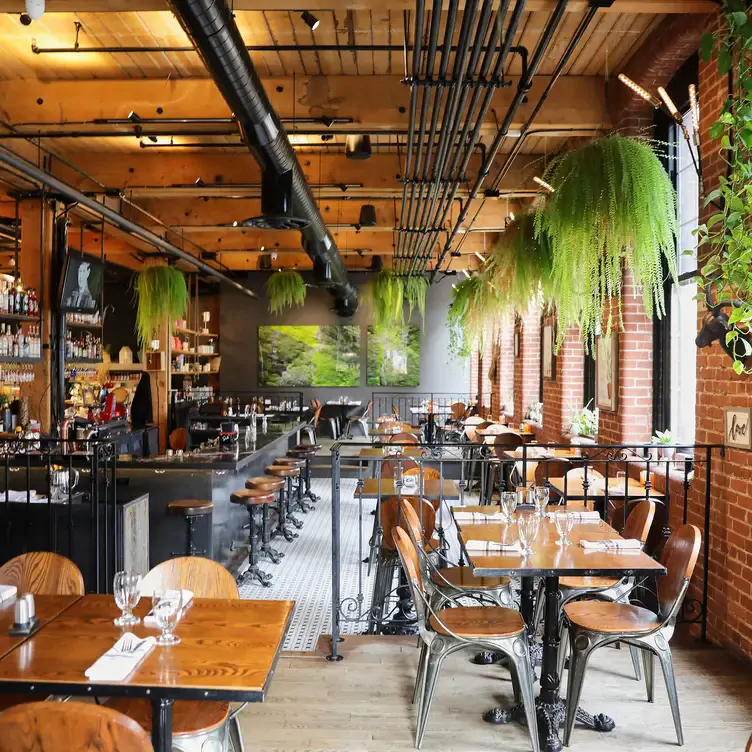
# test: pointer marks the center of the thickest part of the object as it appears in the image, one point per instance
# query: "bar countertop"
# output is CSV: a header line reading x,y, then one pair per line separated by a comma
x,y
214,458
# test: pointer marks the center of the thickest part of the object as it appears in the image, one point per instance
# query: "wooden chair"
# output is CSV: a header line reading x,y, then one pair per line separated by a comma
x,y
450,630
749,745
389,467
192,721
396,412
60,727
403,438
554,468
179,440
458,411
43,573
590,625
429,473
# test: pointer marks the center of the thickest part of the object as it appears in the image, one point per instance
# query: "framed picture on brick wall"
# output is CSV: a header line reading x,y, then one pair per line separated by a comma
x,y
737,431
607,373
547,351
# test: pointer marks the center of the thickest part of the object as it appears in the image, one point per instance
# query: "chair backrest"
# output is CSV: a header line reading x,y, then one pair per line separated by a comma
x,y
458,410
403,438
550,469
63,726
679,557
472,431
43,573
203,577
389,467
639,521
395,412
391,517
749,745
429,473
317,413
506,441
367,413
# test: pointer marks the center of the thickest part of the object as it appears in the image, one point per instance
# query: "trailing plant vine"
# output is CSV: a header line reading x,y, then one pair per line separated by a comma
x,y
727,235
613,205
474,315
387,294
161,292
285,289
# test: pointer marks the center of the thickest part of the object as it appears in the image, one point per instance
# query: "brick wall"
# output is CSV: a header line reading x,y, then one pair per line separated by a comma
x,y
564,394
506,367
530,355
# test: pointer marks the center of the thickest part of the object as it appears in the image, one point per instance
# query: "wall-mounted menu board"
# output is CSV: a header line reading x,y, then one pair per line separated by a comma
x,y
394,357
309,356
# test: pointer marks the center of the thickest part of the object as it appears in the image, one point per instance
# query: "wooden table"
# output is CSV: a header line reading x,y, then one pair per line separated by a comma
x,y
407,451
575,489
432,489
228,652
387,432
550,561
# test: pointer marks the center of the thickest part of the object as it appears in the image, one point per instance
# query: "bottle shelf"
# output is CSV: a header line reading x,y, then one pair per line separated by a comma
x,y
78,325
11,359
19,317
84,361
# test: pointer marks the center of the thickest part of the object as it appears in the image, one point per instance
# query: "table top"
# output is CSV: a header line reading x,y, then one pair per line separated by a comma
x,y
228,651
431,411
47,608
389,432
548,558
432,489
575,489
407,451
566,454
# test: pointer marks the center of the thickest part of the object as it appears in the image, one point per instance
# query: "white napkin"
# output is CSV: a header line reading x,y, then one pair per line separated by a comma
x,y
8,593
492,547
628,545
17,496
579,517
150,620
116,664
477,516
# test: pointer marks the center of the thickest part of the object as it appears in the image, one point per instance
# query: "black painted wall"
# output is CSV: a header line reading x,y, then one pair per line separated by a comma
x,y
240,317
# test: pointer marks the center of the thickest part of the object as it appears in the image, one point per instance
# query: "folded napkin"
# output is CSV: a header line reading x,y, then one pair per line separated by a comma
x,y
492,547
121,659
579,517
33,497
8,593
477,516
150,620
627,545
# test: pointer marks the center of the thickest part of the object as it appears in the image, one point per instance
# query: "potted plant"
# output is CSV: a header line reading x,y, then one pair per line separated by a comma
x,y
663,438
387,294
585,422
162,294
285,289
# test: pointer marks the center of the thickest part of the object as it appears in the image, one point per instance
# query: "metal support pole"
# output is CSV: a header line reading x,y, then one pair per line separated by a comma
x,y
334,656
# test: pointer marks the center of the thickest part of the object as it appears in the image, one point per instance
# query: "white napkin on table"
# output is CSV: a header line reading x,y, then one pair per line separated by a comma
x,y
493,547
150,620
8,593
477,516
627,545
20,496
117,663
579,517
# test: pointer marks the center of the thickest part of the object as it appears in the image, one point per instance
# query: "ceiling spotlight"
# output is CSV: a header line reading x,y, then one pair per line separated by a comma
x,y
326,120
25,19
153,139
358,147
235,223
133,117
663,94
367,216
543,184
310,20
35,9
647,96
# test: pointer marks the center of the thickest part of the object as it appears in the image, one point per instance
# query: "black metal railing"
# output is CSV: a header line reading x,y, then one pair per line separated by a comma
x,y
412,406
609,478
61,496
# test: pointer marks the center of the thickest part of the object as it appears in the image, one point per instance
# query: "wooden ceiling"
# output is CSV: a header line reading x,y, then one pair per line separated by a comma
x,y
44,93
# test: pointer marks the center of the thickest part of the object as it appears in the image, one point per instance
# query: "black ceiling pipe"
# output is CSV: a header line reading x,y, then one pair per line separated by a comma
x,y
212,29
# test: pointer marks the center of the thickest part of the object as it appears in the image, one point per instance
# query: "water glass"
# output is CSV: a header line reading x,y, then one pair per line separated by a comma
x,y
564,523
508,505
541,500
527,529
125,588
167,607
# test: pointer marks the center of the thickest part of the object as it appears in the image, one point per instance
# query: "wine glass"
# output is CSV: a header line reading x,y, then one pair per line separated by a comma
x,y
167,607
564,523
527,529
508,505
125,588
541,500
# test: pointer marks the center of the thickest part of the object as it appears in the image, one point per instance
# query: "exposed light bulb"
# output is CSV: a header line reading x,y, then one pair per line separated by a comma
x,y
543,184
663,94
511,216
465,272
637,89
35,9
695,107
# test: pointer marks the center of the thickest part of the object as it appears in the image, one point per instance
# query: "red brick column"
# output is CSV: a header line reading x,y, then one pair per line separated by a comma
x,y
564,394
506,367
530,357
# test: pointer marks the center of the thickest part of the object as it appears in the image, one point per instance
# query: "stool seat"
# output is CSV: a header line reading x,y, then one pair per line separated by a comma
x,y
190,507
283,471
290,461
308,447
265,483
301,453
252,497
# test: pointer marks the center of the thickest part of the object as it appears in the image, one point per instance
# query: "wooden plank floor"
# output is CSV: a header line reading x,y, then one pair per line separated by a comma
x,y
362,704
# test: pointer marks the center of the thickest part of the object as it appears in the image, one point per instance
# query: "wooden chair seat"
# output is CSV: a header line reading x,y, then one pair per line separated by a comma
x,y
463,577
190,507
308,447
188,716
301,453
290,462
587,583
597,616
265,483
252,497
283,471
479,621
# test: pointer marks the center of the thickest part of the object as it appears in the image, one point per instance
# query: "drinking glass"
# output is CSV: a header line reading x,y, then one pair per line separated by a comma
x,y
508,505
541,500
527,529
167,607
125,588
564,523
621,482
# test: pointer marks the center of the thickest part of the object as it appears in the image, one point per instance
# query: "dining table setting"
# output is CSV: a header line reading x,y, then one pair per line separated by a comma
x,y
548,542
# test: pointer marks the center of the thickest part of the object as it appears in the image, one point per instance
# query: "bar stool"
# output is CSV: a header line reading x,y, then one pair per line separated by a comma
x,y
287,472
269,483
299,463
251,499
306,452
190,510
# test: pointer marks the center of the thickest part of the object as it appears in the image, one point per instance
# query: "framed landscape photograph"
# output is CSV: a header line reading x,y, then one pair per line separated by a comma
x,y
393,357
549,367
607,373
737,432
309,356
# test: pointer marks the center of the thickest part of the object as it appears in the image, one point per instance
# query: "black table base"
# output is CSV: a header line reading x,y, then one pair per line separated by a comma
x,y
161,724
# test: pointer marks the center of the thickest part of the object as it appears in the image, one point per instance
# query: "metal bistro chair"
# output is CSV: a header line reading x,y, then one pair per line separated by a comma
x,y
196,724
360,418
590,625
309,429
453,629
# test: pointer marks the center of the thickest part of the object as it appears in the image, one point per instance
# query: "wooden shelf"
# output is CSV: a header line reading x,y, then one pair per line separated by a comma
x,y
178,330
194,373
78,325
11,359
19,317
194,354
125,366
208,334
84,361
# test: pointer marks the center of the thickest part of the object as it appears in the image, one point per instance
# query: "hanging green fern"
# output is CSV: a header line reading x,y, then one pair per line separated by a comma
x,y
285,289
613,205
474,315
161,293
386,296
415,290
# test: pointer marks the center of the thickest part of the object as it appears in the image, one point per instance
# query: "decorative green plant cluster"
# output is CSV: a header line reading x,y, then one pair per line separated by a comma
x,y
162,293
285,289
585,421
387,294
474,315
727,235
613,205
